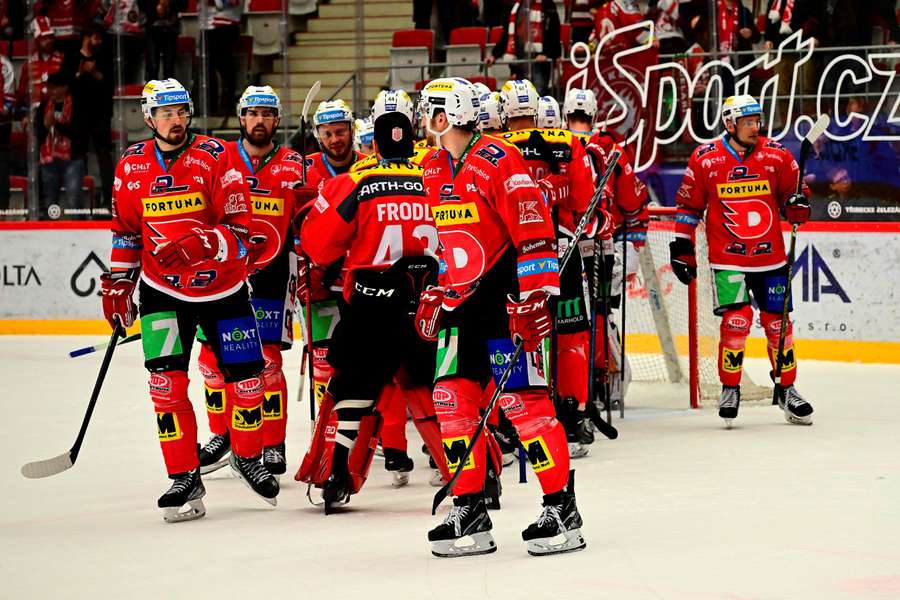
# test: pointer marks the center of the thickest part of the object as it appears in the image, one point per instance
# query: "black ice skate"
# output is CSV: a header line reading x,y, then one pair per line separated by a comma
x,y
335,493
468,522
214,453
797,410
256,477
558,529
492,487
568,414
273,459
399,464
507,439
729,403
184,500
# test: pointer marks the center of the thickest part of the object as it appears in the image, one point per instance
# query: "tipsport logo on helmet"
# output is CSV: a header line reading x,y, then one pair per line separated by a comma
x,y
179,97
261,100
331,116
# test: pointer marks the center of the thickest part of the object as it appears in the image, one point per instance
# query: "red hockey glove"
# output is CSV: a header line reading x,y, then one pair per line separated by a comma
x,y
556,188
529,320
255,250
117,290
605,225
797,209
683,259
200,245
309,281
428,314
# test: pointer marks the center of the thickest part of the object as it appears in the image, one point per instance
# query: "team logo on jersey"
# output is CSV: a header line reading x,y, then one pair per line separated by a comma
x,y
744,190
741,173
529,213
455,215
253,184
174,205
165,184
538,454
267,206
747,219
491,153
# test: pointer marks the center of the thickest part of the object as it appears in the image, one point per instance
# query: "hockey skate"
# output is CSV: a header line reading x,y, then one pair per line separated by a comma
x,y
273,459
729,403
256,477
492,488
335,493
468,520
508,440
568,414
214,453
437,478
558,529
184,500
797,411
399,464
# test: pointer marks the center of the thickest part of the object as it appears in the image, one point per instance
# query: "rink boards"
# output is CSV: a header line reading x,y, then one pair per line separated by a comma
x,y
845,288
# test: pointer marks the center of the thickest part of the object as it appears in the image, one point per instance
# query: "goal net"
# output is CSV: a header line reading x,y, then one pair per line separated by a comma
x,y
671,332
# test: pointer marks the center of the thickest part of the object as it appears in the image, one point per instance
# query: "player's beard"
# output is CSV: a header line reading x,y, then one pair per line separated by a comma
x,y
745,144
176,135
337,157
260,137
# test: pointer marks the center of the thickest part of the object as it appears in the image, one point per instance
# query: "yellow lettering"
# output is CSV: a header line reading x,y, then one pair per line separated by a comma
x,y
174,205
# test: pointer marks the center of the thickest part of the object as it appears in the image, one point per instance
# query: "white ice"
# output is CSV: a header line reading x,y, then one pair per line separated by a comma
x,y
678,507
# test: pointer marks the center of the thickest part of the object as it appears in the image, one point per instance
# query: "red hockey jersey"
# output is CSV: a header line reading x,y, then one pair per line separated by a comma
x,y
374,216
480,206
742,199
420,155
155,203
629,202
573,163
270,180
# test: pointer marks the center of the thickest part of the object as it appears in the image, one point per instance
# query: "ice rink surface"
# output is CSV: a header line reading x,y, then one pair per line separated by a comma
x,y
676,508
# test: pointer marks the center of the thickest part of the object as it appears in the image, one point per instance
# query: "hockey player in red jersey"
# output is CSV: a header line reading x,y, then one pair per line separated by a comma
x,y
740,185
557,161
379,220
272,173
627,204
497,249
181,221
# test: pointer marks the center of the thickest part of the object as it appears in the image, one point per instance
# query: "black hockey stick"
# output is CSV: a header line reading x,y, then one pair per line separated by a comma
x,y
815,131
501,384
603,426
313,90
622,333
58,464
98,347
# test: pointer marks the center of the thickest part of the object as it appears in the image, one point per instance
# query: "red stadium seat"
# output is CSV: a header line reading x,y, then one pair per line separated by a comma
x,y
466,51
565,36
494,35
491,82
186,45
264,6
410,52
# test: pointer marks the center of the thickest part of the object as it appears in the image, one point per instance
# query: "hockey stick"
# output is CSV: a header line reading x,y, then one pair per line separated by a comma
x,y
815,131
313,90
58,464
97,347
501,384
302,373
603,426
622,333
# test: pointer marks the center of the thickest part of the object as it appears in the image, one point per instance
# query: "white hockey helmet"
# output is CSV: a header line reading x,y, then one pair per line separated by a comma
x,y
491,115
167,92
388,101
548,113
331,111
520,98
735,107
455,96
364,133
580,100
481,88
258,96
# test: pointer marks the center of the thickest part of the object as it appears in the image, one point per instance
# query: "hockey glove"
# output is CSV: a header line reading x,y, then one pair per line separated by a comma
x,y
428,314
556,188
117,290
200,245
684,262
605,225
255,251
529,320
797,209
309,281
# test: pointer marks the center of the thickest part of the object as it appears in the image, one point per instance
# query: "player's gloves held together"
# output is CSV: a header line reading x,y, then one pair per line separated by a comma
x,y
428,314
556,188
193,248
684,261
310,286
117,289
529,320
797,209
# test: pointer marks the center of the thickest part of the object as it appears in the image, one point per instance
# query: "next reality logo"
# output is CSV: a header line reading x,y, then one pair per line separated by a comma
x,y
626,102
